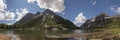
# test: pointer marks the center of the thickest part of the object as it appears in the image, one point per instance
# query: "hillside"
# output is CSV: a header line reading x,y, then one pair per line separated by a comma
x,y
109,24
98,21
47,19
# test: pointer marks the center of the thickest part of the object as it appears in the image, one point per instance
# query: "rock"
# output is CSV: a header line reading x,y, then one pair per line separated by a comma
x,y
54,29
4,37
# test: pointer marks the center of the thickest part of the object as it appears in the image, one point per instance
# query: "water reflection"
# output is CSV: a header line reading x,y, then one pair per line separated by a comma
x,y
39,34
78,31
12,35
77,38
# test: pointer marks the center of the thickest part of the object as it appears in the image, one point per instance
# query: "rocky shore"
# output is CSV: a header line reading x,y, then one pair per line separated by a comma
x,y
4,37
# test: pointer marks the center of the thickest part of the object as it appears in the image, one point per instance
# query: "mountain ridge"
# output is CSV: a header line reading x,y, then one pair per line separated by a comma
x,y
102,20
47,18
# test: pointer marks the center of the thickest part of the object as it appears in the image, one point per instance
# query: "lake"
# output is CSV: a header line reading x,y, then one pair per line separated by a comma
x,y
39,34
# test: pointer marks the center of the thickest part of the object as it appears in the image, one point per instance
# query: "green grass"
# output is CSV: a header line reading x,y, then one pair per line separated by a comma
x,y
113,27
113,31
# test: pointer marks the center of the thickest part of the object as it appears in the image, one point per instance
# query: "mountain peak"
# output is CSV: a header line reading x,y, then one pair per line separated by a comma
x,y
47,12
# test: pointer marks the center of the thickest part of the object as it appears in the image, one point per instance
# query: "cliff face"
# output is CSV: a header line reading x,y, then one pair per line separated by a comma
x,y
47,19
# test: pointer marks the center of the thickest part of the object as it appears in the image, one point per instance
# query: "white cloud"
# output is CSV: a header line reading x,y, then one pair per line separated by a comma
x,y
1,15
79,19
6,15
30,1
116,9
10,16
2,5
21,13
13,16
54,5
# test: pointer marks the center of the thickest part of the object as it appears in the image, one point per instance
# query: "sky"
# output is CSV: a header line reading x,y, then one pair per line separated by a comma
x,y
77,11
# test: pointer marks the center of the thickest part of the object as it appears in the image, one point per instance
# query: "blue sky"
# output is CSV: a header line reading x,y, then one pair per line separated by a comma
x,y
74,7
88,8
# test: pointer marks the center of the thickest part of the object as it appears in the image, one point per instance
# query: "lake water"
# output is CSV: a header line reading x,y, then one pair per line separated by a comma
x,y
39,34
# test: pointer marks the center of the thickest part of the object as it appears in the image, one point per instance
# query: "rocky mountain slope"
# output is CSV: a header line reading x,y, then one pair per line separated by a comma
x,y
47,19
102,20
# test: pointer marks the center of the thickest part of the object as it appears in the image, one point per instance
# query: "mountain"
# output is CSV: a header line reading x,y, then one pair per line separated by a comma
x,y
100,21
103,23
47,19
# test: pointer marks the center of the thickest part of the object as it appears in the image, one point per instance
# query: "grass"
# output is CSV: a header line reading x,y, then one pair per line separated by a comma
x,y
113,27
113,31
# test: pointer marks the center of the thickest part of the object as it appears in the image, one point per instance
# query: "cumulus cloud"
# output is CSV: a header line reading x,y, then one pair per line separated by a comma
x,y
13,16
10,16
116,9
2,4
5,15
79,19
31,1
54,5
1,15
